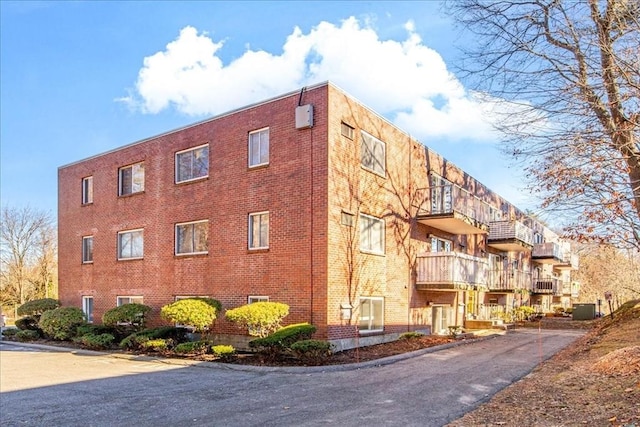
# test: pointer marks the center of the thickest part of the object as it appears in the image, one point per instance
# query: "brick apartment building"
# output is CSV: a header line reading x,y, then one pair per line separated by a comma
x,y
310,199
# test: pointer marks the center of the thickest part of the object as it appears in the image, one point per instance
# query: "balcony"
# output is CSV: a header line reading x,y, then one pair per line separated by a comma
x,y
508,280
510,236
569,261
547,253
450,270
455,211
546,285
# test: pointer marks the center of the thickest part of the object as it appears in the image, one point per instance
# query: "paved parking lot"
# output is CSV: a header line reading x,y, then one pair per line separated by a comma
x,y
41,387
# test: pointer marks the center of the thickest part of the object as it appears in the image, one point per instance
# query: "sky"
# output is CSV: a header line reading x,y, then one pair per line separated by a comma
x,y
81,78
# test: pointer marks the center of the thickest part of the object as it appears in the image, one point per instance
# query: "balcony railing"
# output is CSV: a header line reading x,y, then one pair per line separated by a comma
x,y
451,270
455,210
509,280
510,236
569,261
546,285
548,252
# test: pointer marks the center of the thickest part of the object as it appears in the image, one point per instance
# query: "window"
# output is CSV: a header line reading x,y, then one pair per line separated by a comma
x,y
346,218
259,147
440,245
87,308
131,244
87,249
371,234
87,190
254,298
347,131
131,179
372,154
259,230
192,164
371,314
129,300
192,238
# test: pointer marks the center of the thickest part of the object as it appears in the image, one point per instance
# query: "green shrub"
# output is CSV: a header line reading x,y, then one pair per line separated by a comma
x,y
280,341
133,342
224,352
193,347
312,352
27,335
524,312
410,335
96,342
91,329
260,318
158,344
61,323
28,323
37,307
10,332
136,340
132,315
198,313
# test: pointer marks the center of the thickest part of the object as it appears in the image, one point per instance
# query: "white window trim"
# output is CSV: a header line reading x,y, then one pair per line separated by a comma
x,y
87,314
250,230
257,298
371,331
118,248
249,147
87,190
176,163
176,238
118,304
364,135
442,240
84,253
131,166
384,231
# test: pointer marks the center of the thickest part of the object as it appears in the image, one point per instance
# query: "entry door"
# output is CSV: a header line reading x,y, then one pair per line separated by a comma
x,y
439,319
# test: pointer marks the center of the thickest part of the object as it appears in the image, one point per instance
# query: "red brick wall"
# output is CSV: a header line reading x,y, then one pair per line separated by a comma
x,y
292,188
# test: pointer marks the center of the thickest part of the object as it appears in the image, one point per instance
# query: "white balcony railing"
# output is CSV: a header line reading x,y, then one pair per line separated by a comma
x,y
505,230
451,268
546,285
509,280
547,250
449,199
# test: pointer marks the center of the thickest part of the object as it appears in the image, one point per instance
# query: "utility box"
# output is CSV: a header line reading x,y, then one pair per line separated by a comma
x,y
583,312
304,116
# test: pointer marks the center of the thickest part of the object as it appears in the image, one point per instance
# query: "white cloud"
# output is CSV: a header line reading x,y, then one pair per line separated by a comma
x,y
404,80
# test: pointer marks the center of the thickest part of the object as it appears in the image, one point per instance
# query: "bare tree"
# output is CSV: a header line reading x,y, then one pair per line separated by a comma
x,y
28,258
608,269
565,78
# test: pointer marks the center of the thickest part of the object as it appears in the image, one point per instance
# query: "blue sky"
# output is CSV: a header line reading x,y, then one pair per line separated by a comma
x,y
81,78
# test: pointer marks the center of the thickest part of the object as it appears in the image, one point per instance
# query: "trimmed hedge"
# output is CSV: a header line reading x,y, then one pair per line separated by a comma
x,y
96,342
132,315
37,307
28,323
199,313
410,335
260,318
283,338
192,347
136,341
61,323
312,352
224,352
27,335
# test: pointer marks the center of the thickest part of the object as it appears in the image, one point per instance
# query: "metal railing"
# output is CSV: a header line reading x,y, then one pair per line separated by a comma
x,y
451,267
449,198
545,285
503,230
510,279
547,250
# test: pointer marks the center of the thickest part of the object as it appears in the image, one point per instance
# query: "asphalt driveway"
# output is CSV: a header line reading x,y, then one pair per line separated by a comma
x,y
40,386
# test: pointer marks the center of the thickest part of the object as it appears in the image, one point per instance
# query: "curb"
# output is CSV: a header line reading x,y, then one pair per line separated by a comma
x,y
264,369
